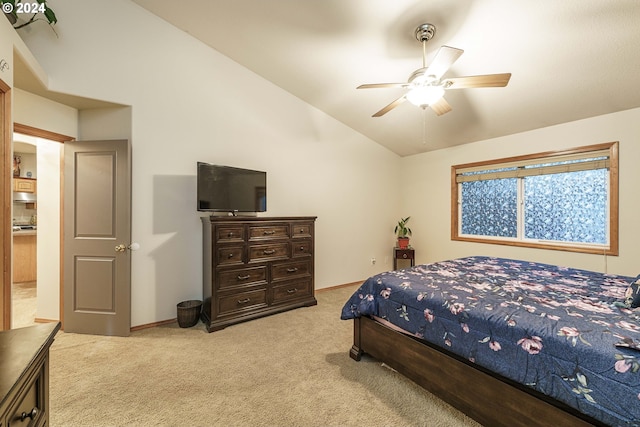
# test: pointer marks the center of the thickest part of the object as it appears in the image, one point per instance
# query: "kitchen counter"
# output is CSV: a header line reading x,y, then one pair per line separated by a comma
x,y
24,230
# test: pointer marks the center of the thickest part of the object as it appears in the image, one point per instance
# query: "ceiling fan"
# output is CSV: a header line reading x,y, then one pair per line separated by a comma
x,y
426,86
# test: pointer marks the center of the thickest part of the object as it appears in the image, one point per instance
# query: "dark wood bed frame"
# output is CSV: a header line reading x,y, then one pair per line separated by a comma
x,y
489,399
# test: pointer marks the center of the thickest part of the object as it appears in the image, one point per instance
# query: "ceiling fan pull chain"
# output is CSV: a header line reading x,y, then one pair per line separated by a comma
x,y
424,125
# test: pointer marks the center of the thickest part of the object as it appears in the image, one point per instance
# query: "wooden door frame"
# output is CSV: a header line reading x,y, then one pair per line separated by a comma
x,y
5,194
56,137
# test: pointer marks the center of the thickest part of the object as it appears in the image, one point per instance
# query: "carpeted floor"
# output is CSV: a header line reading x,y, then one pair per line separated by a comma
x,y
290,369
23,304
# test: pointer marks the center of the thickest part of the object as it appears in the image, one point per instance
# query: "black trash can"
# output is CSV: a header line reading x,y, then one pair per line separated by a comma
x,y
189,313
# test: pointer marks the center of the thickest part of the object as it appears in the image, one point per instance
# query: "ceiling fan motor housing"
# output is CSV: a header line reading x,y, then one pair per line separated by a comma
x,y
425,32
420,77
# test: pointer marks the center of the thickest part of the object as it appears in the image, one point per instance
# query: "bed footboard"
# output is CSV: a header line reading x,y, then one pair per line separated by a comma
x,y
485,397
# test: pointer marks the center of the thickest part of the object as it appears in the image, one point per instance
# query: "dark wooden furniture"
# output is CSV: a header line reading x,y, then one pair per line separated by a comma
x,y
489,399
255,266
403,255
24,375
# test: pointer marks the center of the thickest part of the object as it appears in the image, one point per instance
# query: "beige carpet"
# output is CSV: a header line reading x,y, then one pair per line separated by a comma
x,y
290,369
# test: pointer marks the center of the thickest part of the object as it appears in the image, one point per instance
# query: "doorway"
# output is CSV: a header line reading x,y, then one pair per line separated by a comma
x,y
24,233
36,295
36,284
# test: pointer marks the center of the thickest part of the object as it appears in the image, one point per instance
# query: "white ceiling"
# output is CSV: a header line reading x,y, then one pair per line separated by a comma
x,y
569,59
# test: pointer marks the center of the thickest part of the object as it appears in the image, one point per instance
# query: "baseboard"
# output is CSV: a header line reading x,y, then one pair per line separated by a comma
x,y
39,320
153,325
344,285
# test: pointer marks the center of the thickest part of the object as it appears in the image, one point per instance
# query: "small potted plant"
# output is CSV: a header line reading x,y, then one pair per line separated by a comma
x,y
403,232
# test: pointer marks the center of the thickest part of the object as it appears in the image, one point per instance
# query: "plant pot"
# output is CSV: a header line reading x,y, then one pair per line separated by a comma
x,y
403,242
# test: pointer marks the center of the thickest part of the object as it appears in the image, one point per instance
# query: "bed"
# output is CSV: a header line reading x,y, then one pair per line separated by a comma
x,y
508,342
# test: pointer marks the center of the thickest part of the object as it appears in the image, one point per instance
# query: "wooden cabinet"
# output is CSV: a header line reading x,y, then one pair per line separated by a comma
x,y
254,267
24,375
25,256
24,185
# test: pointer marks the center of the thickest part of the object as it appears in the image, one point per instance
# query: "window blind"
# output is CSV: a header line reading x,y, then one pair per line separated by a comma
x,y
590,160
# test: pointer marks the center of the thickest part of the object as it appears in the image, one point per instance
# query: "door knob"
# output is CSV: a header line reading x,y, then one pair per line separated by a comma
x,y
123,248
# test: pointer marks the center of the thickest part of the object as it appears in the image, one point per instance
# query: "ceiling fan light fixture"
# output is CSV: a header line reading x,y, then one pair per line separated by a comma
x,y
424,96
425,87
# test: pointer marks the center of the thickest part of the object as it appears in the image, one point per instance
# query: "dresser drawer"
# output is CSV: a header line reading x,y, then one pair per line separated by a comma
x,y
229,255
241,301
267,252
229,234
301,248
242,276
290,270
292,290
266,232
301,230
29,409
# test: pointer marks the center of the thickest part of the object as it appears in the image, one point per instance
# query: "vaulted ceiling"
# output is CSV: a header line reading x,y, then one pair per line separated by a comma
x,y
569,59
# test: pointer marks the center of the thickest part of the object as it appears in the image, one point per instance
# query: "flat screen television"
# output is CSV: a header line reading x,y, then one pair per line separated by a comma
x,y
229,189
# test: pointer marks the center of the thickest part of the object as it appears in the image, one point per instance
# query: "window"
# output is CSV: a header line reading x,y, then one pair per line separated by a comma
x,y
566,200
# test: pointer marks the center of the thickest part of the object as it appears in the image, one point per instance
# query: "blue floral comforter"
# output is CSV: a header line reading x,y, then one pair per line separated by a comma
x,y
552,328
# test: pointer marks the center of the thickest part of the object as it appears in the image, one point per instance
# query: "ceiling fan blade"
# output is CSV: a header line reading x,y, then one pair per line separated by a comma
x,y
381,85
390,107
441,107
487,80
444,59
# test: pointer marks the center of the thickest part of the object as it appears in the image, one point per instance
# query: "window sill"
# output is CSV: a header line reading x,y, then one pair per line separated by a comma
x,y
580,248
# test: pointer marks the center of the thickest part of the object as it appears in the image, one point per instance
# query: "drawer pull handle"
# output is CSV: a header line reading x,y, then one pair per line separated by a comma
x,y
230,255
268,232
269,251
230,234
292,270
244,301
404,256
301,248
302,230
244,277
292,291
33,414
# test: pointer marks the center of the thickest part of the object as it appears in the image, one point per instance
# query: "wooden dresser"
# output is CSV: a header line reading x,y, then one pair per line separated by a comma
x,y
24,375
255,266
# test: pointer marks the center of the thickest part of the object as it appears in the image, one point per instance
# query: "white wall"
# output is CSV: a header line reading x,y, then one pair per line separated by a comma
x,y
36,111
427,195
190,103
7,37
48,286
